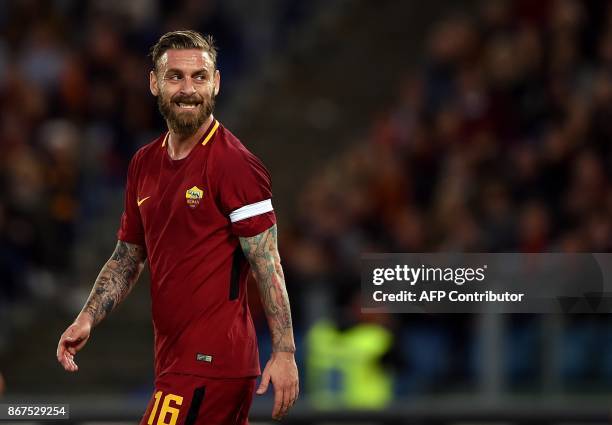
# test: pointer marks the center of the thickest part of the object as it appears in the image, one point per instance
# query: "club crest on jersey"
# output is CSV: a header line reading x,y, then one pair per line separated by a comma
x,y
193,196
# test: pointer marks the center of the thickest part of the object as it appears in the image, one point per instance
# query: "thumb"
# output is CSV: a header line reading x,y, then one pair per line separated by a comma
x,y
263,385
73,339
71,334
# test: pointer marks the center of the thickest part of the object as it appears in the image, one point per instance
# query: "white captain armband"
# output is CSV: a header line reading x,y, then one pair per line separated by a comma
x,y
251,210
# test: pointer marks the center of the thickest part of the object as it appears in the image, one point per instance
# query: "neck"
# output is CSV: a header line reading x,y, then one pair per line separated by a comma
x,y
179,145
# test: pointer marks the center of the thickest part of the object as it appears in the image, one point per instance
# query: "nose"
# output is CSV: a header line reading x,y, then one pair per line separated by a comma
x,y
188,87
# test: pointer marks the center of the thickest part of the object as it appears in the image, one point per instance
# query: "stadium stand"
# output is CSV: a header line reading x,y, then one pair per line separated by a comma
x,y
396,128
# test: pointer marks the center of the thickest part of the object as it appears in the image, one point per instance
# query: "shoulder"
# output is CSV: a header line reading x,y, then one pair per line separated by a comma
x,y
228,146
229,153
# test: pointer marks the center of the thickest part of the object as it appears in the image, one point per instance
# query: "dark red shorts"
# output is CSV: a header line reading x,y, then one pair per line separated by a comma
x,y
193,400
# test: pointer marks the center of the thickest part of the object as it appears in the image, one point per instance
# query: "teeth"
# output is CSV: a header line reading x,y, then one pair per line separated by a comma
x,y
186,105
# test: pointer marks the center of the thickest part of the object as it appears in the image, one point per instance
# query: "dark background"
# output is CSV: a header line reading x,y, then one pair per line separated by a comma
x,y
387,126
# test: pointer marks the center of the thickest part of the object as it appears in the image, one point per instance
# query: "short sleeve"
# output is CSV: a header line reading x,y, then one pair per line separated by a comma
x,y
245,194
130,228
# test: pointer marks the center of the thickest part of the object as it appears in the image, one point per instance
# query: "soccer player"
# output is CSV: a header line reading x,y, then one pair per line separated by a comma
x,y
198,208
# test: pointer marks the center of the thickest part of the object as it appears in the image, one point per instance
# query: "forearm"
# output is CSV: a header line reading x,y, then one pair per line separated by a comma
x,y
114,282
262,253
275,301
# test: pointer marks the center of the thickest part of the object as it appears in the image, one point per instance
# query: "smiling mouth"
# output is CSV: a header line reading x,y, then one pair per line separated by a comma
x,y
182,105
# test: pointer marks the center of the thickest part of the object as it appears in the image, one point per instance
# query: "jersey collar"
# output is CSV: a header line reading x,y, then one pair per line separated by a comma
x,y
208,134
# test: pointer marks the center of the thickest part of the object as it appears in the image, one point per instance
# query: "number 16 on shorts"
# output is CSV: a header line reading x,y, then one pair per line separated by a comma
x,y
168,414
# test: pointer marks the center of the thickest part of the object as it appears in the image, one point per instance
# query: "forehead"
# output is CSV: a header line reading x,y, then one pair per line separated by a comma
x,y
185,59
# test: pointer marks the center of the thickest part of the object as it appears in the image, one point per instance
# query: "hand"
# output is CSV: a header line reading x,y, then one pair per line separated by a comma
x,y
282,371
72,340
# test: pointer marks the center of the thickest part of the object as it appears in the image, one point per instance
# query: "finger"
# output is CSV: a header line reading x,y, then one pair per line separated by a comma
x,y
82,342
59,352
293,396
65,347
72,346
297,390
289,398
62,362
61,346
68,362
263,385
69,334
279,403
73,365
65,362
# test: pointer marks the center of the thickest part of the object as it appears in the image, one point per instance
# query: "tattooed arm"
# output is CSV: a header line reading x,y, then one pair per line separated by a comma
x,y
262,253
115,281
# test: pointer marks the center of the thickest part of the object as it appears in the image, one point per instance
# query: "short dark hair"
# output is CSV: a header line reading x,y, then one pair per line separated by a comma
x,y
183,39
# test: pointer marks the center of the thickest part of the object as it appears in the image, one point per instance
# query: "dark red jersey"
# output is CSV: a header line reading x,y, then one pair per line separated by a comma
x,y
189,213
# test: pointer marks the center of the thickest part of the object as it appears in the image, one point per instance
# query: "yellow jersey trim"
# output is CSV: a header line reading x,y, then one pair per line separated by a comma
x,y
206,140
214,129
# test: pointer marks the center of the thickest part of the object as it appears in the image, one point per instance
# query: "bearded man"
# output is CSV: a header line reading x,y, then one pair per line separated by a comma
x,y
198,208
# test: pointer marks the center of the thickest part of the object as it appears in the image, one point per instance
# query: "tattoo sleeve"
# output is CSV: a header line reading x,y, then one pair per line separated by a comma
x,y
115,281
262,252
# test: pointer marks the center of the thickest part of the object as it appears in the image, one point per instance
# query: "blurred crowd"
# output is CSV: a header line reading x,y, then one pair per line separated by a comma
x,y
499,142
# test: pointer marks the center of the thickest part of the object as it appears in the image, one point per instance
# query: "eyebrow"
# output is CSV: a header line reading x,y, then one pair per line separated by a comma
x,y
179,71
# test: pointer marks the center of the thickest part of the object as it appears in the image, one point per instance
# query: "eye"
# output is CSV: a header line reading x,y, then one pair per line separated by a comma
x,y
173,77
200,77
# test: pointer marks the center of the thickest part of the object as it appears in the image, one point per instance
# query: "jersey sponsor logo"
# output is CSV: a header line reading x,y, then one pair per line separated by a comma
x,y
140,201
204,358
193,196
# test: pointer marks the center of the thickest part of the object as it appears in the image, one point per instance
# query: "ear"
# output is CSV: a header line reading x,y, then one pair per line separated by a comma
x,y
217,81
153,83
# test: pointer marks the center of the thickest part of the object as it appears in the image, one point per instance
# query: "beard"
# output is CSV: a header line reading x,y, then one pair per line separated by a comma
x,y
185,122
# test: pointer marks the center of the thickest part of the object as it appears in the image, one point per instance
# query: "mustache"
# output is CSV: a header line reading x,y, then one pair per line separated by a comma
x,y
187,99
